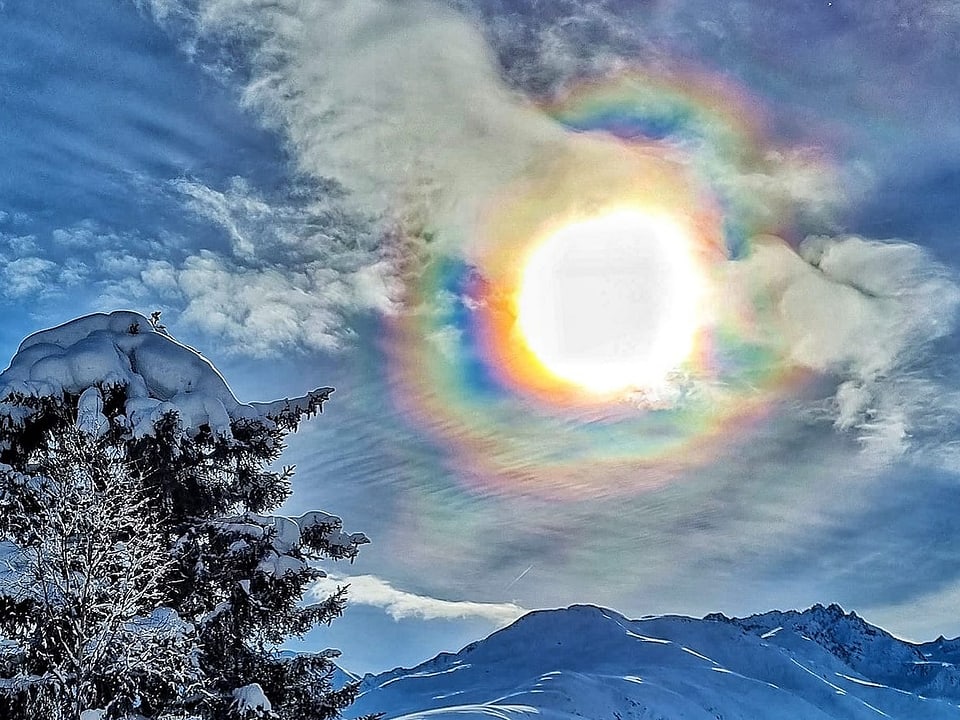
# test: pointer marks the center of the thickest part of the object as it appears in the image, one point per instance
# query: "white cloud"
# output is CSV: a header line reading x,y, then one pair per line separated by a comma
x,y
82,260
398,604
264,310
163,10
289,280
293,274
250,222
862,311
400,102
28,276
160,276
404,105
20,245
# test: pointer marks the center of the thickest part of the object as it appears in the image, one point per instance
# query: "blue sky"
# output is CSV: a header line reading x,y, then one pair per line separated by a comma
x,y
242,166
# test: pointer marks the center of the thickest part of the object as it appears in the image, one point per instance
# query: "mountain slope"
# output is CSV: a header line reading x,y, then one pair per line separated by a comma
x,y
588,662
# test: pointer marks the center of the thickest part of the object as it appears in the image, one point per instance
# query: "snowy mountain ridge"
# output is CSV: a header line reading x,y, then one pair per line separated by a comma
x,y
586,661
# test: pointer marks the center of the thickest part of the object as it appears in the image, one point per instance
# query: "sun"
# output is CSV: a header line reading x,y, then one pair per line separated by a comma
x,y
612,303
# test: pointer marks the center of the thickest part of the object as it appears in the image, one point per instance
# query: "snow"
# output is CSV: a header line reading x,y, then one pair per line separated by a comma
x,y
162,619
645,638
315,518
286,536
455,668
279,566
329,526
865,683
466,712
221,608
587,662
696,654
242,526
90,417
286,533
94,354
251,697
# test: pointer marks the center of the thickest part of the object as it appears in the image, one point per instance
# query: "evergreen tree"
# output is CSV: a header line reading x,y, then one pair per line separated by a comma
x,y
115,395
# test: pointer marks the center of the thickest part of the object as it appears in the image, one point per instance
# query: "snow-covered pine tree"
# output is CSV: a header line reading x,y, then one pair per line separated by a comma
x,y
231,574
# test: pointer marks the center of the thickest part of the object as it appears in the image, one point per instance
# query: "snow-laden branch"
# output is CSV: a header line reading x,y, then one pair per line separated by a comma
x,y
94,354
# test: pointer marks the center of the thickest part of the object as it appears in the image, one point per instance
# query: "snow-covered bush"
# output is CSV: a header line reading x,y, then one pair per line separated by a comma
x,y
144,575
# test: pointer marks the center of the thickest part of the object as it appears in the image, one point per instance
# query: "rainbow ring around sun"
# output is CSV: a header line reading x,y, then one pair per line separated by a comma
x,y
585,343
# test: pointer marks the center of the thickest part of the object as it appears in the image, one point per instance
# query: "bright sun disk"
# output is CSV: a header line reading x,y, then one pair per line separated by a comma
x,y
612,303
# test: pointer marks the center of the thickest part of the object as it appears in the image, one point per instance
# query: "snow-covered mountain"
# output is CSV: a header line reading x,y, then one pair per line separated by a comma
x,y
589,662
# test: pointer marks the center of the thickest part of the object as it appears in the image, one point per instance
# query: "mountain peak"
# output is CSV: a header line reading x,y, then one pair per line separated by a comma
x,y
590,661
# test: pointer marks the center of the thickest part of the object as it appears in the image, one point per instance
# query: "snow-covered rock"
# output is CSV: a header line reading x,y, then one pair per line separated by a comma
x,y
821,664
94,354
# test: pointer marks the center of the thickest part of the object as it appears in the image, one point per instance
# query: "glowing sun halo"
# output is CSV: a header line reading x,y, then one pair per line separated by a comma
x,y
611,303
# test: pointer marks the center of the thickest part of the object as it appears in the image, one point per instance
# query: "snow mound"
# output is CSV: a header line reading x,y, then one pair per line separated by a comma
x,y
251,698
94,356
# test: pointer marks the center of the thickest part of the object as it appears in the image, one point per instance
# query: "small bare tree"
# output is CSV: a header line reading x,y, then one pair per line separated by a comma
x,y
81,586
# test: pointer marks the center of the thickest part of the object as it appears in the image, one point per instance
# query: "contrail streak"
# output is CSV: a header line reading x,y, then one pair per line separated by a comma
x,y
517,578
